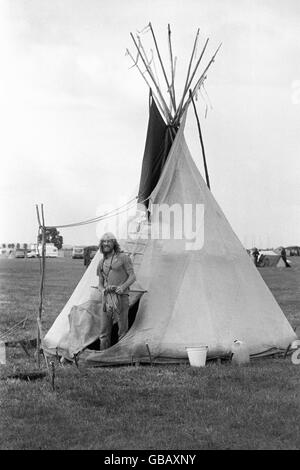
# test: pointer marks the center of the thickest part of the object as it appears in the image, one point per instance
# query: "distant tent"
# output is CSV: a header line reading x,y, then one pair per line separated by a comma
x,y
190,290
269,258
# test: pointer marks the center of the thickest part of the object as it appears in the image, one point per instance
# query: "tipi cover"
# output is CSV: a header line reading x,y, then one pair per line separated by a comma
x,y
211,294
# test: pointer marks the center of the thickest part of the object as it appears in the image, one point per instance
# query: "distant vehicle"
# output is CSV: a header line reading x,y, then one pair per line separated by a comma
x,y
78,252
19,253
31,254
89,253
293,250
50,251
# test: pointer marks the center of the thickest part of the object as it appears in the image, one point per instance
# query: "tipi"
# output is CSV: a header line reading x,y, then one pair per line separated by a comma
x,y
195,288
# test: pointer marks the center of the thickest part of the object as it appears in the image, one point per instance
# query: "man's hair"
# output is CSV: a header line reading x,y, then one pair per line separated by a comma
x,y
116,247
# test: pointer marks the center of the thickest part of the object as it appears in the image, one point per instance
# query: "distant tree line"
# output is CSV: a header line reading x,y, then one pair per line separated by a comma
x,y
52,236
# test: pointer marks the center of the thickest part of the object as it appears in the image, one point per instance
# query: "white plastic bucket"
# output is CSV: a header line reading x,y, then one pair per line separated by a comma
x,y
197,355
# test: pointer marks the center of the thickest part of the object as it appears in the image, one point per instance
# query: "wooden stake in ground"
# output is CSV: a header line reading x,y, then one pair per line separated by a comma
x,y
149,353
42,228
52,375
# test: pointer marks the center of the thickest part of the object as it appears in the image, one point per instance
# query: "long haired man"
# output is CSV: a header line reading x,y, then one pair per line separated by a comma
x,y
116,274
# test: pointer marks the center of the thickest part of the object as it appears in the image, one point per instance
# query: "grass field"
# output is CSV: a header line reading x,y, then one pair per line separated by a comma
x,y
161,407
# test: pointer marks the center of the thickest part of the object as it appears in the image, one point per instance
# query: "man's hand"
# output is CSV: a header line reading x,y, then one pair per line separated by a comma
x,y
119,290
109,289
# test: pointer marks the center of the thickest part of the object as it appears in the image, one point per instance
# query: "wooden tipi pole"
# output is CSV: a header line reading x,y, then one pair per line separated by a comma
x,y
201,140
162,67
172,87
148,68
188,78
200,81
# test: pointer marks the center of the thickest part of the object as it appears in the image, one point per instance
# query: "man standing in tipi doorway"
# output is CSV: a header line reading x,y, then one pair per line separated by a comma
x,y
116,274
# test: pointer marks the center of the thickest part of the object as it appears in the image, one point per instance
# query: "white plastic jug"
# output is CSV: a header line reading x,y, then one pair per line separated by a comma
x,y
240,352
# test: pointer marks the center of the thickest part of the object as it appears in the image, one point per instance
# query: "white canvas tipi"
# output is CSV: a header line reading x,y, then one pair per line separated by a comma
x,y
202,289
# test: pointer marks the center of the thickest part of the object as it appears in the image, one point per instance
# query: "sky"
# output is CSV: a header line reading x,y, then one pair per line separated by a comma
x,y
73,113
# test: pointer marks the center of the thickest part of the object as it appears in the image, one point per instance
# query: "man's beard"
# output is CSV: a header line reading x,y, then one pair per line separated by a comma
x,y
107,252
